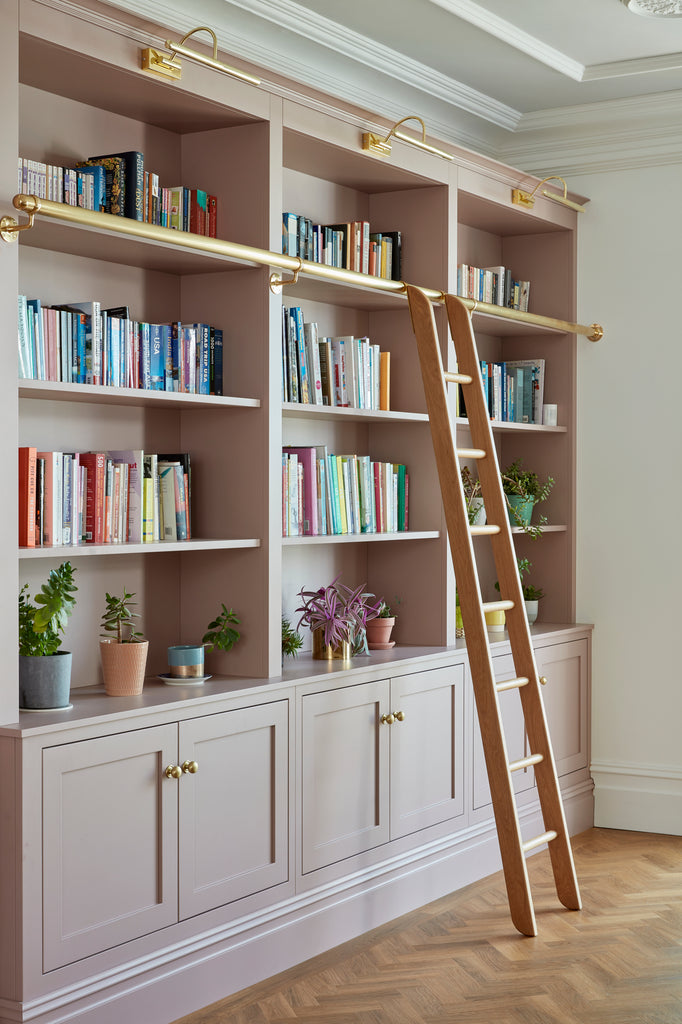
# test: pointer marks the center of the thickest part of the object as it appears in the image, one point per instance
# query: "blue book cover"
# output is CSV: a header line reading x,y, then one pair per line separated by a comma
x,y
157,357
133,192
216,368
36,334
97,175
145,357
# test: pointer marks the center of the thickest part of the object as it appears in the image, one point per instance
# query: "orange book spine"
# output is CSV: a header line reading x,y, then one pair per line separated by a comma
x,y
28,461
385,380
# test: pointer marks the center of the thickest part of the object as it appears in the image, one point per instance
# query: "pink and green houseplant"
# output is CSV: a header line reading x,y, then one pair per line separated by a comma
x,y
337,616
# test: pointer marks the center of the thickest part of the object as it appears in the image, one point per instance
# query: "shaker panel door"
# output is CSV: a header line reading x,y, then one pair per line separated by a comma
x,y
109,842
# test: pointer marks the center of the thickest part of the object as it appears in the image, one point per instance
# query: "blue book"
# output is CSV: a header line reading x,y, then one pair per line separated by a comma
x,y
145,357
98,179
35,328
157,357
216,368
133,191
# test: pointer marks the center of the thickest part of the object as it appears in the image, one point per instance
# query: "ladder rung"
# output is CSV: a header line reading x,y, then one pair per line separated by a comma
x,y
471,453
525,762
457,378
546,837
497,606
481,531
512,684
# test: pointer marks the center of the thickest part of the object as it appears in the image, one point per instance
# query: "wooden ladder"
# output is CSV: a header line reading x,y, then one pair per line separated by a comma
x,y
512,847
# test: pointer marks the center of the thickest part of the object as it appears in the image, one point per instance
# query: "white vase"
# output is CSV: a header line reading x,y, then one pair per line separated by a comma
x,y
477,513
531,611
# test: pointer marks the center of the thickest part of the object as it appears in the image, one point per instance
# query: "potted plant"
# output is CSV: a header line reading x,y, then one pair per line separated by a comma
x,y
124,655
221,635
473,498
531,595
292,641
337,616
378,629
523,490
44,669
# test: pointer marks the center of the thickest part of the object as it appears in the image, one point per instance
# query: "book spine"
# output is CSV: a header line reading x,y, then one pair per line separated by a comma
x,y
28,468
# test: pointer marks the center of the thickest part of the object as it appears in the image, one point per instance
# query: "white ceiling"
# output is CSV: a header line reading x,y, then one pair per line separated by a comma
x,y
523,80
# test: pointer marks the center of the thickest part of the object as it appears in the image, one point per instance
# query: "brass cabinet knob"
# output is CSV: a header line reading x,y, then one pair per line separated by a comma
x,y
387,719
173,771
543,680
190,766
399,716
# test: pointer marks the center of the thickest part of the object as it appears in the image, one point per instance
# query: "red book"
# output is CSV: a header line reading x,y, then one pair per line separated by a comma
x,y
212,216
379,496
197,211
28,463
95,463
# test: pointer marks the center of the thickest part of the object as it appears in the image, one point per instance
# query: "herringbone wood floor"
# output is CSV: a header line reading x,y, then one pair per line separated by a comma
x,y
457,960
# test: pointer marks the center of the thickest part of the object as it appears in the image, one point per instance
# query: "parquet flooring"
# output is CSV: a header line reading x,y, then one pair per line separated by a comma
x,y
460,961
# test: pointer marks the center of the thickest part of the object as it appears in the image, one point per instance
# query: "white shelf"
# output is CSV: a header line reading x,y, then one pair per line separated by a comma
x,y
88,550
297,410
362,538
511,428
139,397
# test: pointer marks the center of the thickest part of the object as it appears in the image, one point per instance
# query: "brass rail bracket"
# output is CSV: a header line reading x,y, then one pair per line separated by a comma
x,y
277,282
9,227
597,332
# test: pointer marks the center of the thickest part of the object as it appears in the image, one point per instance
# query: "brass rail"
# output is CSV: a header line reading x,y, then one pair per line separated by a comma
x,y
31,205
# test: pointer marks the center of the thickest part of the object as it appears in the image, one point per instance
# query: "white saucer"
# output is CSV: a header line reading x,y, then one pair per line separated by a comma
x,y
182,681
32,711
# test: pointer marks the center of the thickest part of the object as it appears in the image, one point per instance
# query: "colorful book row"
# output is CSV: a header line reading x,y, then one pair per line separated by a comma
x,y
349,246
325,494
514,389
113,497
344,371
80,343
118,183
494,285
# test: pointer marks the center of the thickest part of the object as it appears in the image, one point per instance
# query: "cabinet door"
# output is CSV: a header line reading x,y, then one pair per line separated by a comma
x,y
514,733
109,842
565,667
427,749
345,772
234,809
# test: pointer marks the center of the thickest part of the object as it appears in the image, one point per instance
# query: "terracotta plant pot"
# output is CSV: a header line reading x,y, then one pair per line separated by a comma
x,y
325,652
123,667
379,632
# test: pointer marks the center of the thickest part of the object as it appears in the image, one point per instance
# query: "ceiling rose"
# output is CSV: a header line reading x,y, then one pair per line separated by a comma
x,y
655,8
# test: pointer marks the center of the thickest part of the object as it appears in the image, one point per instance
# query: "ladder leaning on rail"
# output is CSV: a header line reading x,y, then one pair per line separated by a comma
x,y
486,689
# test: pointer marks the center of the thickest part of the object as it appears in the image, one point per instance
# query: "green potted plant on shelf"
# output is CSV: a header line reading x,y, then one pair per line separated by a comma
x,y
44,669
531,595
378,629
221,634
292,641
523,490
123,655
473,498
337,616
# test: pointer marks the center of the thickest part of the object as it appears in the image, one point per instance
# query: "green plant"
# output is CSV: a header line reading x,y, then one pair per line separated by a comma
x,y
530,593
40,628
220,633
292,641
340,611
384,611
521,483
118,618
472,494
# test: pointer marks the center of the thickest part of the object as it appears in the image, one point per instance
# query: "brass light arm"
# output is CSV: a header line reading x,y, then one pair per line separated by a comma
x,y
522,198
171,67
373,143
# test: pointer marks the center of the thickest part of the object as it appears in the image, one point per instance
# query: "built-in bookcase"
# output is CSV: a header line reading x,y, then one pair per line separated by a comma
x,y
261,154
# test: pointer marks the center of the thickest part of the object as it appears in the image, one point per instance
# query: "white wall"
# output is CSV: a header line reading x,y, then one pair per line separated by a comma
x,y
630,490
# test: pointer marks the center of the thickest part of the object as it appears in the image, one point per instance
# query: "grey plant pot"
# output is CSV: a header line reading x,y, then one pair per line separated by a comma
x,y
45,681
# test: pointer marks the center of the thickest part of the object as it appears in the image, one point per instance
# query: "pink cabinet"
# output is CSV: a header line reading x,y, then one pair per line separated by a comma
x,y
381,760
129,848
566,694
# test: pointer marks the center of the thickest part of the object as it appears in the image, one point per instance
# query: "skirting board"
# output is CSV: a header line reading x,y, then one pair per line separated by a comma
x,y
638,798
179,980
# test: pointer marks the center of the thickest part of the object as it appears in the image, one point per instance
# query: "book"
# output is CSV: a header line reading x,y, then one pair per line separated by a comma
x,y
133,191
89,340
97,179
184,460
309,524
216,365
52,516
167,485
27,496
151,528
134,459
385,381
310,331
95,464
26,368
326,371
197,211
115,171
